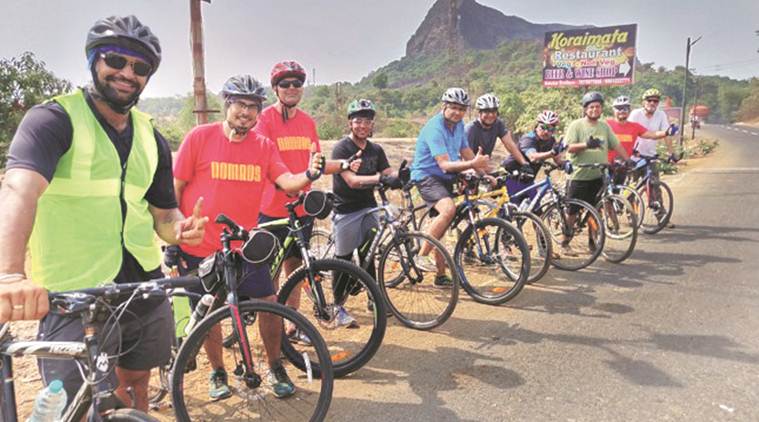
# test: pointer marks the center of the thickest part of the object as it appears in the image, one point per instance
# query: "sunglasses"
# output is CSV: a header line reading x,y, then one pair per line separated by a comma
x,y
287,84
361,121
623,108
548,128
115,61
652,100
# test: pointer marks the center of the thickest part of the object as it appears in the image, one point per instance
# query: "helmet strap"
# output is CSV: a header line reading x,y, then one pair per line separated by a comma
x,y
235,134
97,90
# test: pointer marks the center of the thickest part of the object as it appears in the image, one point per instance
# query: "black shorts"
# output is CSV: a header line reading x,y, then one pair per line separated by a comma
x,y
145,343
256,280
433,189
306,224
585,190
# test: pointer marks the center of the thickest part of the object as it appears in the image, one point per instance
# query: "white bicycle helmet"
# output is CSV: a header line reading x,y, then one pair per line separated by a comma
x,y
456,96
548,117
488,102
621,101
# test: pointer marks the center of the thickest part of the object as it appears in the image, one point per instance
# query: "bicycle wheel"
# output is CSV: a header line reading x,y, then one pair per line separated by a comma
x,y
538,240
354,319
579,244
621,227
252,397
321,245
415,300
660,207
635,200
493,261
159,386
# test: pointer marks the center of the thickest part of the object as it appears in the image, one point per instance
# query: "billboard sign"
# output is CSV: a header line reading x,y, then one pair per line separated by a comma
x,y
590,56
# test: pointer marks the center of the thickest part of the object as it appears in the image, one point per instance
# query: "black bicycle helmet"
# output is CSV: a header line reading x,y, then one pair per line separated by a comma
x,y
592,97
243,86
126,32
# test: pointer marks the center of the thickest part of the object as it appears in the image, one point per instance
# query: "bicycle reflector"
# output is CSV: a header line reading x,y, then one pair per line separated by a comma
x,y
209,273
318,204
260,247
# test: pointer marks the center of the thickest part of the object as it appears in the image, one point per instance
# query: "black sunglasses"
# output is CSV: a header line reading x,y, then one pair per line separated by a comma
x,y
115,61
548,128
287,84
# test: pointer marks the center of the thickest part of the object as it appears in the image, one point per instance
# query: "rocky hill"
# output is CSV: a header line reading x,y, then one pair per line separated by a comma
x,y
466,24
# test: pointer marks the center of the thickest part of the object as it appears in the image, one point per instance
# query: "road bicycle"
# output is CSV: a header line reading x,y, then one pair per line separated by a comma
x,y
656,195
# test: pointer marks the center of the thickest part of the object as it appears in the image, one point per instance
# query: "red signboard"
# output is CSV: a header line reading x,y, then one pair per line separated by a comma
x,y
590,57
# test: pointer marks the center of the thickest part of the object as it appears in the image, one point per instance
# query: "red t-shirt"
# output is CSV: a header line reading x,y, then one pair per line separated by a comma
x,y
230,177
627,133
293,140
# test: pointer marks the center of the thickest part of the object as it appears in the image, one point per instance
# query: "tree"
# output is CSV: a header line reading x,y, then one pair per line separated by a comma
x,y
24,82
380,81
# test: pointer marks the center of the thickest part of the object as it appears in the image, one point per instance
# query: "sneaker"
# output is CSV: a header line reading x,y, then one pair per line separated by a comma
x,y
425,263
343,319
279,381
442,281
299,336
567,250
218,387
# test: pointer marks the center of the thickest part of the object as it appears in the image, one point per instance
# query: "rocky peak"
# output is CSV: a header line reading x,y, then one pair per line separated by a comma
x,y
466,24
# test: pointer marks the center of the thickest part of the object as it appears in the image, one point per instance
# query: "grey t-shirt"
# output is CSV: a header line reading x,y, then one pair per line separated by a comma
x,y
477,136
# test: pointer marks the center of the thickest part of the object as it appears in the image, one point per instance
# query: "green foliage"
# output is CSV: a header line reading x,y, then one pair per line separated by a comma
x,y
749,108
380,81
24,82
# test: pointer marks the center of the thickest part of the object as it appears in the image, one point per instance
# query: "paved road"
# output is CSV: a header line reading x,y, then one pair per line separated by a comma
x,y
669,335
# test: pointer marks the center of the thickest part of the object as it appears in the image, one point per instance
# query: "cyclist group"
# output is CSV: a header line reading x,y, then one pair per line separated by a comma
x,y
89,186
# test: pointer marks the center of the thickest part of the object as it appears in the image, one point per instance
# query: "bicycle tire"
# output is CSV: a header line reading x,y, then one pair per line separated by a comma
x,y
621,231
505,237
637,202
156,393
320,396
344,362
128,415
538,241
668,204
553,217
414,288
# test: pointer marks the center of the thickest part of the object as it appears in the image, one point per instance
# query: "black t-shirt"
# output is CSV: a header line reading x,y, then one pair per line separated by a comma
x,y
478,136
46,133
530,143
373,161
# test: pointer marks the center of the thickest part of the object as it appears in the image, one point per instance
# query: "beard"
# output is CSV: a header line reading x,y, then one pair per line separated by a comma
x,y
112,96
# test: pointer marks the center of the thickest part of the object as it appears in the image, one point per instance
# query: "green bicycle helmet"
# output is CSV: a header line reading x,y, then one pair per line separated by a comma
x,y
362,107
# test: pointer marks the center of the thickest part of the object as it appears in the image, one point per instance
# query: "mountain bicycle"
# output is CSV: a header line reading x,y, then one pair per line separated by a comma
x,y
100,310
408,287
585,237
491,255
619,217
352,340
244,343
656,194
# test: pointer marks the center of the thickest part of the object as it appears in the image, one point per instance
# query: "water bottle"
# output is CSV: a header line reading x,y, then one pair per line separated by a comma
x,y
50,402
200,311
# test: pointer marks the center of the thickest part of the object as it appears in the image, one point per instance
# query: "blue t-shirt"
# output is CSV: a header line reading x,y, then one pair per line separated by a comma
x,y
436,139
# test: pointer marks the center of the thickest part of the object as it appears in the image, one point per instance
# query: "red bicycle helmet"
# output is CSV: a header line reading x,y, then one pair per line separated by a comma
x,y
287,69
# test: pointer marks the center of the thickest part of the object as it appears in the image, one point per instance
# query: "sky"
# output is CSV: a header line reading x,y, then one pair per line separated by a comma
x,y
343,40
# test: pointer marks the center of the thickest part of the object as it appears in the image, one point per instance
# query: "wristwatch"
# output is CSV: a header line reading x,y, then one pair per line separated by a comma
x,y
345,165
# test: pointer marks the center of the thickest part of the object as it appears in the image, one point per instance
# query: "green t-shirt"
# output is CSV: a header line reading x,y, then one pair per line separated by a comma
x,y
579,131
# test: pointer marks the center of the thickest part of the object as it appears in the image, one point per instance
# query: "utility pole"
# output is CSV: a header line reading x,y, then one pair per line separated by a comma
x,y
695,104
685,87
198,68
